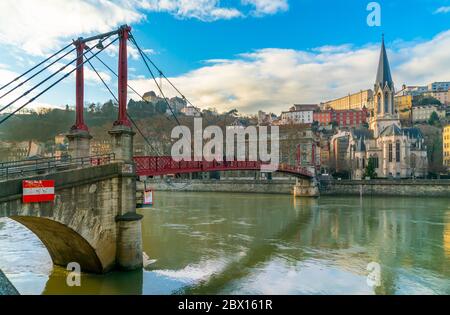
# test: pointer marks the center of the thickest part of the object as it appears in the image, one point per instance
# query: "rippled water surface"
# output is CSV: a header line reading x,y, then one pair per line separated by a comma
x,y
261,244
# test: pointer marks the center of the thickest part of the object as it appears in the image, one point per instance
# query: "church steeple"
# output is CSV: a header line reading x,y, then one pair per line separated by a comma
x,y
384,86
384,71
384,91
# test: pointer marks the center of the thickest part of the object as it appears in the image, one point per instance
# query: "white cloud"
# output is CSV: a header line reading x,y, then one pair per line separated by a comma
x,y
41,26
211,10
6,76
267,7
424,62
442,10
38,27
273,79
205,10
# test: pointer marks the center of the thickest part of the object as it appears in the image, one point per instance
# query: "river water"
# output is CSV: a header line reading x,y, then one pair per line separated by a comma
x,y
221,243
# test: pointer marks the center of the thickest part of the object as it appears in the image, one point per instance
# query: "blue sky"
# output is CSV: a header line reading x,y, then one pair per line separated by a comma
x,y
245,54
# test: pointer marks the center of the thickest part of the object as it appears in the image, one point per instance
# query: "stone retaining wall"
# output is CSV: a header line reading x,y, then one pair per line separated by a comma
x,y
418,188
407,188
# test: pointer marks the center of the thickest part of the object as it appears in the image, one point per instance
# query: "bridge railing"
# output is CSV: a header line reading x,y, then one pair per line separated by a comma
x,y
164,165
19,169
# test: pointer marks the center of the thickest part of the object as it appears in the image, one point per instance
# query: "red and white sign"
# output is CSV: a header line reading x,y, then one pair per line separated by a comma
x,y
38,191
148,198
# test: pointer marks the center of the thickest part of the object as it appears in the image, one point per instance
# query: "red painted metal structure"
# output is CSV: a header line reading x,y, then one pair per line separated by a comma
x,y
80,44
79,123
124,34
165,165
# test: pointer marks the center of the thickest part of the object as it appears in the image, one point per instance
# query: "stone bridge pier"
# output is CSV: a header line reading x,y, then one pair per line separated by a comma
x,y
306,188
93,220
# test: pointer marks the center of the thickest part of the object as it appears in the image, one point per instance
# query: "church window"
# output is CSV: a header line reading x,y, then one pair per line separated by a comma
x,y
363,163
379,102
375,161
386,102
413,161
397,152
390,153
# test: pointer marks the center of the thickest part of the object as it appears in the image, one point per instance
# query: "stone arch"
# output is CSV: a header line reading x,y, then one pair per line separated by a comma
x,y
63,243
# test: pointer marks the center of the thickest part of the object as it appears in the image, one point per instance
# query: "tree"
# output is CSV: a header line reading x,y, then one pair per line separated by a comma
x,y
434,118
334,124
370,170
426,100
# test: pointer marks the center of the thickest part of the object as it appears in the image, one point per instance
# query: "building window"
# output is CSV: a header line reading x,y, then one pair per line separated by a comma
x,y
386,102
375,161
397,152
390,152
413,161
379,102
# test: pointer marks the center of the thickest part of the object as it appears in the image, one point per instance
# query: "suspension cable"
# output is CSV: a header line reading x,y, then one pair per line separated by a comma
x,y
129,116
161,73
36,74
129,86
55,83
43,81
35,67
154,79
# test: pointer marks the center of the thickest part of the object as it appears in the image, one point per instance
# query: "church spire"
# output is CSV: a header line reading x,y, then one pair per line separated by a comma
x,y
384,72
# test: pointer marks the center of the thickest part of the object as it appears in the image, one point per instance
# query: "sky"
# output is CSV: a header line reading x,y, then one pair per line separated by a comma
x,y
245,54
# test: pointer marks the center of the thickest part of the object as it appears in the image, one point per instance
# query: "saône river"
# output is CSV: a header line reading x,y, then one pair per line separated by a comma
x,y
221,243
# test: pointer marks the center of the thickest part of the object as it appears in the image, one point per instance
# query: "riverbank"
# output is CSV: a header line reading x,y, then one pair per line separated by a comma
x,y
6,288
405,188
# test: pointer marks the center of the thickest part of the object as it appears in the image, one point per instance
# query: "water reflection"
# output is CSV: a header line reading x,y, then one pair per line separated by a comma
x,y
204,243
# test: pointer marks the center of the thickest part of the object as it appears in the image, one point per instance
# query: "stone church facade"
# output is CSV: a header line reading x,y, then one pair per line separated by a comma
x,y
395,152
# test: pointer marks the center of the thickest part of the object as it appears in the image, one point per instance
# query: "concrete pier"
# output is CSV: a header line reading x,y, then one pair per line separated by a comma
x,y
79,143
306,188
129,243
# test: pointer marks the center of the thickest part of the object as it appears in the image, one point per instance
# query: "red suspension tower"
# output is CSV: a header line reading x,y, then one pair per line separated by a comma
x,y
79,123
79,137
124,34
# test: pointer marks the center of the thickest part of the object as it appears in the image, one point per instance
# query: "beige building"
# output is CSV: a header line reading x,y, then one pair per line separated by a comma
x,y
297,117
404,104
191,111
352,101
442,96
61,145
446,146
151,97
423,113
414,90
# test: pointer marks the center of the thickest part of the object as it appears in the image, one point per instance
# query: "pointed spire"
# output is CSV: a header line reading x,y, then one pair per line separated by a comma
x,y
384,71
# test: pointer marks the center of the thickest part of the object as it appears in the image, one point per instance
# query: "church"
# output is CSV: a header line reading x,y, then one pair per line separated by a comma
x,y
395,152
